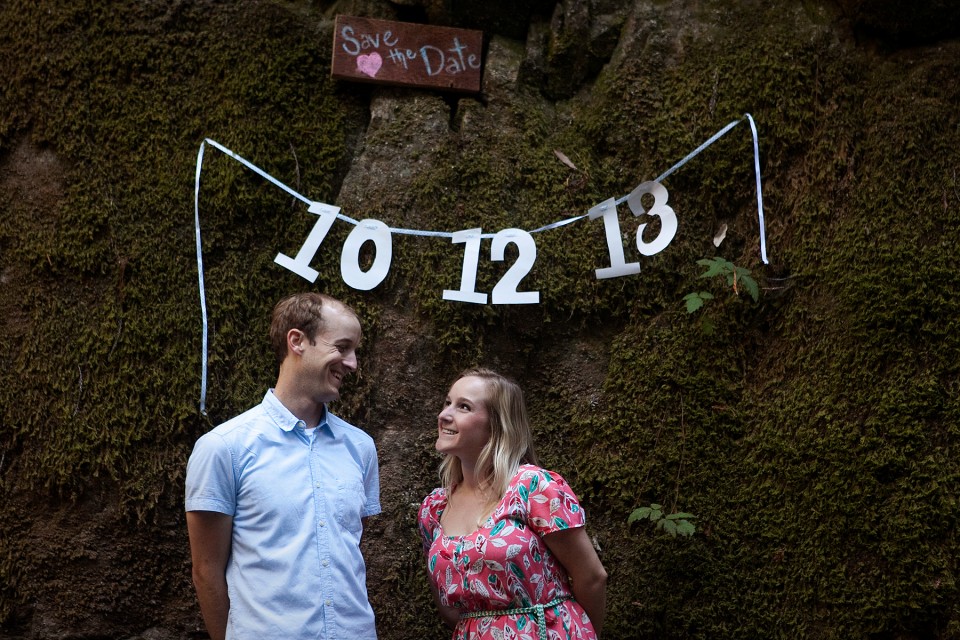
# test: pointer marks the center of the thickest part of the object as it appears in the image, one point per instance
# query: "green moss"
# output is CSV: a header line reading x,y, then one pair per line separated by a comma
x,y
813,434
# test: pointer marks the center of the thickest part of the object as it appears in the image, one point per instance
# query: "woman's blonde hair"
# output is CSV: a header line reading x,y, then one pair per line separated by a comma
x,y
511,441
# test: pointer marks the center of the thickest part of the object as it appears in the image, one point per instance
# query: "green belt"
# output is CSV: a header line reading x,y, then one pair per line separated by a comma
x,y
536,609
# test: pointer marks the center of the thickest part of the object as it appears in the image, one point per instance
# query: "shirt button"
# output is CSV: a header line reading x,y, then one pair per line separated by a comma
x,y
328,602
317,485
326,563
322,523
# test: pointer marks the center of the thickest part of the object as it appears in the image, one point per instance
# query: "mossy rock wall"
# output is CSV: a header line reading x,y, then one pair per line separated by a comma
x,y
812,433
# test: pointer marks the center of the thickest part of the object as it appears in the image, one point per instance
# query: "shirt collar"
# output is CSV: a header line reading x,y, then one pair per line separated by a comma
x,y
283,417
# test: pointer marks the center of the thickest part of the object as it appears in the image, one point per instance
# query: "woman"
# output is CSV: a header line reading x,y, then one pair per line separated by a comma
x,y
506,548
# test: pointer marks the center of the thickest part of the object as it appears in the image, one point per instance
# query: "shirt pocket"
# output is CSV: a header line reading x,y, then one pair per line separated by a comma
x,y
349,505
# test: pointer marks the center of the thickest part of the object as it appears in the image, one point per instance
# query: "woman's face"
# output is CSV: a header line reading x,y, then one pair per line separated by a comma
x,y
464,424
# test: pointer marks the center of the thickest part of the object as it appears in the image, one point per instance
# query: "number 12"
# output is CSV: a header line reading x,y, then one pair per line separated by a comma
x,y
505,291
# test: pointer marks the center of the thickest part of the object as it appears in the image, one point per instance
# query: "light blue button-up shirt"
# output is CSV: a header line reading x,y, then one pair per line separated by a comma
x,y
296,497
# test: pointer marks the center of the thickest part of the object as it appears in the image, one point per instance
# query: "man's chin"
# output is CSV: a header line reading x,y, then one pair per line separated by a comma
x,y
331,395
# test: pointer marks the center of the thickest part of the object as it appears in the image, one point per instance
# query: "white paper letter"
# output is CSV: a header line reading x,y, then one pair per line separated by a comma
x,y
378,233
668,218
611,225
301,264
505,291
468,278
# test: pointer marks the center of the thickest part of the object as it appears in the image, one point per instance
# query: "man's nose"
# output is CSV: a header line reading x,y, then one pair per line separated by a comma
x,y
350,361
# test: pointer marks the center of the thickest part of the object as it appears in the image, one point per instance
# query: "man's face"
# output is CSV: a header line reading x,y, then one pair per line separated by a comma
x,y
332,355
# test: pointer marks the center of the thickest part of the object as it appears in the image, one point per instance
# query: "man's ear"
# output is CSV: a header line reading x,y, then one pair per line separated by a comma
x,y
296,342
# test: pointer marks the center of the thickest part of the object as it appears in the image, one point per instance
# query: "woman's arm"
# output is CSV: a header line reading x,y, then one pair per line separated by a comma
x,y
588,578
450,615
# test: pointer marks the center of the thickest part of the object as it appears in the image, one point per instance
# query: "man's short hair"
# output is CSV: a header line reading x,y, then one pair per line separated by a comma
x,y
303,311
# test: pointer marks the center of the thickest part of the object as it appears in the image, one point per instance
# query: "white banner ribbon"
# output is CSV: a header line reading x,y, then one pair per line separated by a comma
x,y
506,290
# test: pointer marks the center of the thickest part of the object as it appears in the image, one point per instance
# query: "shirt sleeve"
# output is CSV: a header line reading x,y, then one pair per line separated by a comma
x,y
371,485
211,484
551,504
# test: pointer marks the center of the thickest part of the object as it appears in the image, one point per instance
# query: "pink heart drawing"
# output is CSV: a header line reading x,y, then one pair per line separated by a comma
x,y
369,64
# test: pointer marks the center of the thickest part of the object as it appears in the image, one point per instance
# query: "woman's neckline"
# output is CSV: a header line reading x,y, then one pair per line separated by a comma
x,y
524,466
482,525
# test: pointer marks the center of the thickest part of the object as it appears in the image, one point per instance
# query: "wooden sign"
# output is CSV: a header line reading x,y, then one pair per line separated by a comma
x,y
405,53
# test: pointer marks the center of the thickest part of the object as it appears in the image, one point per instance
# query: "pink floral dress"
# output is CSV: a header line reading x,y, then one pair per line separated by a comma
x,y
505,565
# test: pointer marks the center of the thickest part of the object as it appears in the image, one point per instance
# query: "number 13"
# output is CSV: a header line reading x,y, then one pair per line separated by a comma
x,y
611,224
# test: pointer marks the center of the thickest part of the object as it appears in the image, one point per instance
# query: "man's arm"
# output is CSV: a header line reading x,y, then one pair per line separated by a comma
x,y
210,539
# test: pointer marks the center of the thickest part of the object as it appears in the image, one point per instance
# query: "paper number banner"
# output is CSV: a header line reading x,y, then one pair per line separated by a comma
x,y
507,290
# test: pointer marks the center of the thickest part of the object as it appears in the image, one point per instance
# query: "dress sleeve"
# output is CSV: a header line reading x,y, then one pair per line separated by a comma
x,y
428,518
551,504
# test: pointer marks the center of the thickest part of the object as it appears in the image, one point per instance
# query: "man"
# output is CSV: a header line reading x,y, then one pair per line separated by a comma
x,y
275,497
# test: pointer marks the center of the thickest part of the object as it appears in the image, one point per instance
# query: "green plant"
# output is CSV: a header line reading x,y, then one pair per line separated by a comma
x,y
673,523
696,299
737,278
